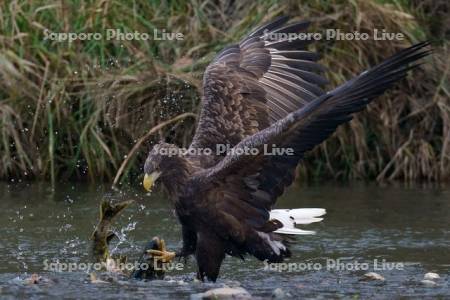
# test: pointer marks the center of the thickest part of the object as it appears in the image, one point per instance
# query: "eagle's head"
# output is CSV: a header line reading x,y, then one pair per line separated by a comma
x,y
163,162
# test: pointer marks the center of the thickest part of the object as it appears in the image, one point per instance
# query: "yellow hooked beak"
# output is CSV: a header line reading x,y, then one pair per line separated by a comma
x,y
149,180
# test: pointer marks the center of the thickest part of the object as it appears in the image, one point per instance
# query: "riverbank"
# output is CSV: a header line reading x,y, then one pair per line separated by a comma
x,y
78,110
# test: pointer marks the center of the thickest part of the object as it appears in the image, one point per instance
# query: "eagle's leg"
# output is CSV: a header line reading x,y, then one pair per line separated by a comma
x,y
162,254
209,255
182,255
189,242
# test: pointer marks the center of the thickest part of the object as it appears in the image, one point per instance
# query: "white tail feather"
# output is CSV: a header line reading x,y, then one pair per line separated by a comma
x,y
291,217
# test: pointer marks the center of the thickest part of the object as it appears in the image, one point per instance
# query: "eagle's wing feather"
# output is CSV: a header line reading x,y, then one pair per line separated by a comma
x,y
264,178
255,83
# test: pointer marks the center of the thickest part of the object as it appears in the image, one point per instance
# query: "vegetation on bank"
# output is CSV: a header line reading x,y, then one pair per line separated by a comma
x,y
79,110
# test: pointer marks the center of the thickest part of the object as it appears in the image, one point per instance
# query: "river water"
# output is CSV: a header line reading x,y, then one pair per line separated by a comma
x,y
399,232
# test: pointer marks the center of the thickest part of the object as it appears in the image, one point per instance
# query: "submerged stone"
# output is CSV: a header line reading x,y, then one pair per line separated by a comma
x,y
428,283
372,276
224,293
279,293
431,276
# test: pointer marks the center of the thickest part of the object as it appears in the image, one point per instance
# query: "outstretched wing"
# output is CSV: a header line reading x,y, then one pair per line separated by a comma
x,y
255,83
261,179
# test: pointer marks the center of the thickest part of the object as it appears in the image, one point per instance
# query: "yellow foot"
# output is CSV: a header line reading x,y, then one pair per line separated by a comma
x,y
162,254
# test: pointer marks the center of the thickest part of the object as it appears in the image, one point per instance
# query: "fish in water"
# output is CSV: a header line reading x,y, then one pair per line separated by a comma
x,y
153,256
103,234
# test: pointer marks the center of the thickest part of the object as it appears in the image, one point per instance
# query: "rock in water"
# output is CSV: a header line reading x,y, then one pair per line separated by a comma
x,y
278,293
372,276
428,283
94,279
225,293
431,276
33,279
37,279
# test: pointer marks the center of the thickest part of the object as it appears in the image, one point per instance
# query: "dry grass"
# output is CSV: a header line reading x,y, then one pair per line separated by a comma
x,y
74,111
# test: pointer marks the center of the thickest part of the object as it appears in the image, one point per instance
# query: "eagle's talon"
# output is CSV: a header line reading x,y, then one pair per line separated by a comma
x,y
162,255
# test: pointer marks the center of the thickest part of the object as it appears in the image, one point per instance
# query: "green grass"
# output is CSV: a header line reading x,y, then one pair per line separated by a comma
x,y
75,110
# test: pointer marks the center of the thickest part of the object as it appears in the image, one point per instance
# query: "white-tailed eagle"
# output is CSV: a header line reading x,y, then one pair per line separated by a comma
x,y
264,91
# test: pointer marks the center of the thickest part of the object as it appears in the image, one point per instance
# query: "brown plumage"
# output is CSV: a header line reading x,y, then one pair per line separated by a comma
x,y
262,91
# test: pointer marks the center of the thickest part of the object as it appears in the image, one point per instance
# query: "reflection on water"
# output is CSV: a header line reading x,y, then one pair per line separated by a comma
x,y
392,226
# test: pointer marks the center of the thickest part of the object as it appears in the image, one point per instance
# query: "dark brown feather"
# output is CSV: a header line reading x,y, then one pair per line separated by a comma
x,y
253,84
